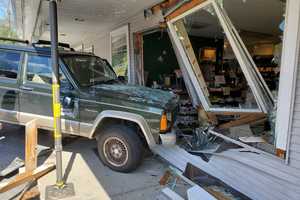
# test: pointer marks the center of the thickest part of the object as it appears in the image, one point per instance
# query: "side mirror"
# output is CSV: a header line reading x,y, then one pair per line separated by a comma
x,y
68,102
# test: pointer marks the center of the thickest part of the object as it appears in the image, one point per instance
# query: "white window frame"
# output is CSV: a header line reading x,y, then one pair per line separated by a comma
x,y
260,91
288,73
119,31
288,76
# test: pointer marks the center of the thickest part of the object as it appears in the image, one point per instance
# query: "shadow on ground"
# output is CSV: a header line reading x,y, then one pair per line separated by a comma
x,y
141,184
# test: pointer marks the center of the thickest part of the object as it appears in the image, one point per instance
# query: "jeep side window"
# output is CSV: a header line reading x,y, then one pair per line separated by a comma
x,y
39,70
9,64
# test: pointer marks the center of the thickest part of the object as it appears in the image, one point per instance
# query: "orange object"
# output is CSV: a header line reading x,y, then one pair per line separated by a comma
x,y
163,123
281,153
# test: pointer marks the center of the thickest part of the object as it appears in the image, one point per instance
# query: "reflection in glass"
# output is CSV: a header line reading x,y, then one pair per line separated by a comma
x,y
39,69
119,54
9,64
261,26
213,60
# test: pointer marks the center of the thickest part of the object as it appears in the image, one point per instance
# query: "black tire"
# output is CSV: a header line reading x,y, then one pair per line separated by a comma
x,y
120,148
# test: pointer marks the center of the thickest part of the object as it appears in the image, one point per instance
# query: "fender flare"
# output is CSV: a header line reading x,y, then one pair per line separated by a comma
x,y
138,119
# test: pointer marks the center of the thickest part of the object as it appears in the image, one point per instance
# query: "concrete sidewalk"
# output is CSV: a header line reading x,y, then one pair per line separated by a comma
x,y
82,167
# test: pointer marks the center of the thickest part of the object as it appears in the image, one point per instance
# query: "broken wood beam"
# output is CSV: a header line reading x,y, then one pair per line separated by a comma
x,y
27,176
167,4
185,7
30,146
244,119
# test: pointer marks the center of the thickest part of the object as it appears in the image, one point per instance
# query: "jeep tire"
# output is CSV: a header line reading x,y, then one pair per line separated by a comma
x,y
120,148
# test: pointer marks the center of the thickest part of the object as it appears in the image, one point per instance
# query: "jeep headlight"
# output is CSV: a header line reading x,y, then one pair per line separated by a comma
x,y
165,122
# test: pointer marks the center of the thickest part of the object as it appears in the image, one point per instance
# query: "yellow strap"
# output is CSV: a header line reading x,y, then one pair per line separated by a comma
x,y
56,110
55,87
55,91
57,135
60,184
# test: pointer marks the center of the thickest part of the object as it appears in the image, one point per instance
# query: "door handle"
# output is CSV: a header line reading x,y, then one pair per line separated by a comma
x,y
26,88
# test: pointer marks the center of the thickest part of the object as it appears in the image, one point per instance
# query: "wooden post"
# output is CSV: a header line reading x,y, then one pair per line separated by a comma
x,y
30,146
31,171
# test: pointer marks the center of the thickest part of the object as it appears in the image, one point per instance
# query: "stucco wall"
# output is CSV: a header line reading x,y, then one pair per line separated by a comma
x,y
138,23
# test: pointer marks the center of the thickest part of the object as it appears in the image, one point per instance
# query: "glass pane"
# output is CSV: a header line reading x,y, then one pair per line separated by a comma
x,y
120,54
261,25
9,64
213,60
89,70
39,69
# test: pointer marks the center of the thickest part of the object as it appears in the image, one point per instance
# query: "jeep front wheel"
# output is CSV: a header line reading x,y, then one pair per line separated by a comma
x,y
120,148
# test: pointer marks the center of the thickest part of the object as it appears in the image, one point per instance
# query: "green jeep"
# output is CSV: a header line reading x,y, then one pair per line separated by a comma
x,y
124,119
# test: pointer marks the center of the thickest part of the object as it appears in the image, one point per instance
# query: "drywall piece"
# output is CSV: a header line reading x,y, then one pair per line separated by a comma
x,y
171,194
196,192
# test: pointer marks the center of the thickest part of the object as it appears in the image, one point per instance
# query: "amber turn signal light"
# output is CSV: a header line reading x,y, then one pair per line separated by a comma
x,y
164,123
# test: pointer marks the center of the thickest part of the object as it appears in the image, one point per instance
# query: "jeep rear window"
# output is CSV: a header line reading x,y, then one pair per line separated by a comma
x,y
9,64
89,70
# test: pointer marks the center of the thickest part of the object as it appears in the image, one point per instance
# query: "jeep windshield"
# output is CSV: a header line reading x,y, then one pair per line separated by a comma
x,y
89,70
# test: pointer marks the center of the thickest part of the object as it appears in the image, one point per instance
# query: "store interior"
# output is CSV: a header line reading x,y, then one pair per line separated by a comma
x,y
227,87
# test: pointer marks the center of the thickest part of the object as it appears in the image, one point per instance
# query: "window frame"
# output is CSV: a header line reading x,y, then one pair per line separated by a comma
x,y
14,80
246,62
119,31
24,77
62,68
288,78
288,73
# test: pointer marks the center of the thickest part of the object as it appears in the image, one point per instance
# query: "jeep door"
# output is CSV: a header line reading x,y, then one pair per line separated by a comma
x,y
36,94
10,64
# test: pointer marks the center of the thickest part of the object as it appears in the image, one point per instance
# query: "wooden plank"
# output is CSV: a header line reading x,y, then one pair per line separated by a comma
x,y
30,146
184,8
211,117
256,183
27,176
166,4
30,194
239,113
245,119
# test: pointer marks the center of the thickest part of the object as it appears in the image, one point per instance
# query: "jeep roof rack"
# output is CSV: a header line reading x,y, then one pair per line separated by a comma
x,y
48,43
14,40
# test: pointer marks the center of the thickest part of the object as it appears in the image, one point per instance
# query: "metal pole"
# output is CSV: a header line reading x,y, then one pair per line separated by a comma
x,y
56,92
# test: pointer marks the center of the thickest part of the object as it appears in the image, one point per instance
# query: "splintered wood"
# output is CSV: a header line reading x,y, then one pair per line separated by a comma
x,y
30,146
31,171
26,176
244,119
189,5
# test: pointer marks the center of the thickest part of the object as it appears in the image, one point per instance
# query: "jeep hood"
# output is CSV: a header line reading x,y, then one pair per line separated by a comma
x,y
138,94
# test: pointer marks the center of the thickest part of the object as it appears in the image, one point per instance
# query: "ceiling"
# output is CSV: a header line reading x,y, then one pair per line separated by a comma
x,y
254,18
79,19
268,15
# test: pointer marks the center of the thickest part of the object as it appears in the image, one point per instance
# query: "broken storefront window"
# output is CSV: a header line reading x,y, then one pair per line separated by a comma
x,y
236,70
216,61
